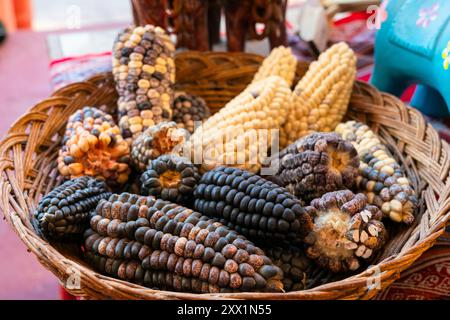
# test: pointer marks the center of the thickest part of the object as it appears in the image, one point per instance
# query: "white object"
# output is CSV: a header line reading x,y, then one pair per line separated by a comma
x,y
314,24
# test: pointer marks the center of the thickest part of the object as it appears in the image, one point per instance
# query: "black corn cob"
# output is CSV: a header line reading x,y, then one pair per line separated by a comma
x,y
171,241
294,264
63,213
188,109
171,178
259,209
317,164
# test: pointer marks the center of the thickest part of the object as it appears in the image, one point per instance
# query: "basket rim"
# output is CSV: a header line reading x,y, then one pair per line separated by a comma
x,y
356,286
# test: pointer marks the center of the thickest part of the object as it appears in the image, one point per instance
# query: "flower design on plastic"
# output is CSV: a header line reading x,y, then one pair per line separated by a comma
x,y
446,56
427,15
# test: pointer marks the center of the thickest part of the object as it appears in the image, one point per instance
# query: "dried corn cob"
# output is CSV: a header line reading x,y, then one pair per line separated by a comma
x,y
280,62
241,133
166,238
171,178
294,264
144,71
317,164
381,176
346,231
189,109
93,146
321,97
163,138
63,213
251,205
131,270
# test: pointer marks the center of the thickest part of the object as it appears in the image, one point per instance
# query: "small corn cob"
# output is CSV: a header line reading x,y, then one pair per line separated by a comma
x,y
144,71
161,139
93,146
381,176
63,213
189,109
165,238
317,164
294,264
240,134
346,231
320,99
171,178
280,62
251,205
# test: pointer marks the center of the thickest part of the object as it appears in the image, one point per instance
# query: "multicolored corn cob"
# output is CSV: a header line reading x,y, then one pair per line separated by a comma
x,y
381,177
93,146
144,71
189,109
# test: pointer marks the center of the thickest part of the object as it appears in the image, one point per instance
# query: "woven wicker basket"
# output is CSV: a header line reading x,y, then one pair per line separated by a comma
x,y
28,170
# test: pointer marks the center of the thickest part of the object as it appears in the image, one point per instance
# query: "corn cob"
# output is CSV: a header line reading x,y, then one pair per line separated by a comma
x,y
228,137
144,71
320,99
170,240
346,231
189,110
93,146
163,138
317,164
294,264
381,177
171,178
280,62
132,271
63,213
251,205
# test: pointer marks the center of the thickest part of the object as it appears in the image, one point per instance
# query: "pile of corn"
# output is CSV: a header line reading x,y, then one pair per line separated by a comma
x,y
320,209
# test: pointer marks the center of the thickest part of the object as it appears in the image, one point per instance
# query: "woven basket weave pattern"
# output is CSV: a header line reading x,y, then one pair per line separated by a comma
x,y
28,171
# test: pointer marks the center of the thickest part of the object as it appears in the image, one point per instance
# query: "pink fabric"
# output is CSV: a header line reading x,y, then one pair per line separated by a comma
x,y
24,80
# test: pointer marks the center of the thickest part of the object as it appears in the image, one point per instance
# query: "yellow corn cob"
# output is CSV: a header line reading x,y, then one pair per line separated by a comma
x,y
236,135
381,177
280,62
321,97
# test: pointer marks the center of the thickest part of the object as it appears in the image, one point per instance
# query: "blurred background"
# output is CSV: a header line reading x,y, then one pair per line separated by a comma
x,y
46,44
